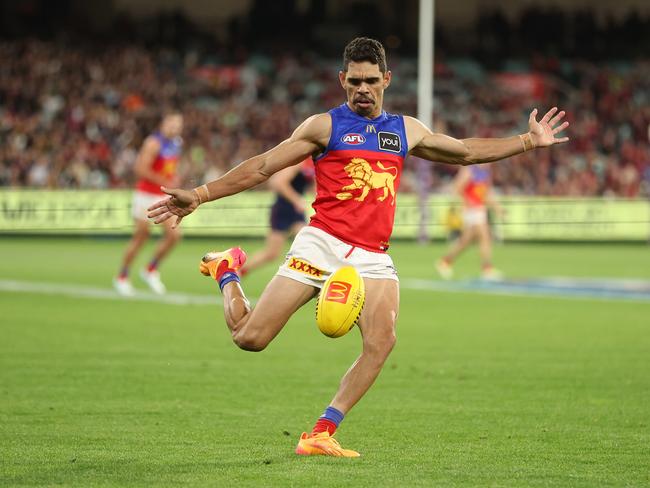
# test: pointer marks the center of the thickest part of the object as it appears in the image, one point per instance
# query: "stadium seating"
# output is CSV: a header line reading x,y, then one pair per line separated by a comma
x,y
73,117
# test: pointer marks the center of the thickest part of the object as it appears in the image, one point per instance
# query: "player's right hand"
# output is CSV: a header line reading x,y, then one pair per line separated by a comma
x,y
179,204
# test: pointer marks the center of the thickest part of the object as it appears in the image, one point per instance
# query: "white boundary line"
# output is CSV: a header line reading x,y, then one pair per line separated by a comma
x,y
524,291
176,298
83,291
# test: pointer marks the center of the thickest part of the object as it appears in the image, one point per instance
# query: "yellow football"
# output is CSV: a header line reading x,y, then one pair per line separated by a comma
x,y
340,302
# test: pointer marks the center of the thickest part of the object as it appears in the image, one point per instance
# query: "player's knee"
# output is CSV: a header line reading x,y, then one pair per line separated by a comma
x,y
380,347
251,342
389,343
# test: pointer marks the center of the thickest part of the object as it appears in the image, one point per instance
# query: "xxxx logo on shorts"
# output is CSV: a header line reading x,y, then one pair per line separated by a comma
x,y
305,267
338,291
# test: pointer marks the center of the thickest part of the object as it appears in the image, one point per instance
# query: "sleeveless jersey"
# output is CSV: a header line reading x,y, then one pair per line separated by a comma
x,y
165,163
357,178
475,192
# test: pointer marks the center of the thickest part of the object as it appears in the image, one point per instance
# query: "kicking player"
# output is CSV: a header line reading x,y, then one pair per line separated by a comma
x,y
155,166
358,151
474,185
287,213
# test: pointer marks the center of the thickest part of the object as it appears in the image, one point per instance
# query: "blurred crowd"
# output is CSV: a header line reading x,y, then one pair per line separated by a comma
x,y
75,116
608,108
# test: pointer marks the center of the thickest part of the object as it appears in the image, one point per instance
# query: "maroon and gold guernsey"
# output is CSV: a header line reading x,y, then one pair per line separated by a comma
x,y
357,178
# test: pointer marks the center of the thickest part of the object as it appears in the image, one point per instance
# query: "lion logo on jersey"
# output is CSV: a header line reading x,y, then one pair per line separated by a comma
x,y
366,179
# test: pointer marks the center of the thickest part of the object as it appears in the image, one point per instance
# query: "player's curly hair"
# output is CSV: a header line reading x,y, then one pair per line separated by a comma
x,y
365,49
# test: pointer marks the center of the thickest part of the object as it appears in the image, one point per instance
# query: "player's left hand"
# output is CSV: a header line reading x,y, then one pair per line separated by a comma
x,y
543,132
179,204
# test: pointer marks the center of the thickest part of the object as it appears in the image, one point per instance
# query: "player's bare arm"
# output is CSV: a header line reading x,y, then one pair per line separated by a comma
x,y
146,157
310,138
441,148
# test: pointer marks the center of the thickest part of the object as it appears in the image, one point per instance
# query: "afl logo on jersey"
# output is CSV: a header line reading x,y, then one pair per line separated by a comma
x,y
353,139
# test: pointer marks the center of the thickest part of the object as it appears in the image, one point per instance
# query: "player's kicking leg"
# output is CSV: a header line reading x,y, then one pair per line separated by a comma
x,y
377,324
254,329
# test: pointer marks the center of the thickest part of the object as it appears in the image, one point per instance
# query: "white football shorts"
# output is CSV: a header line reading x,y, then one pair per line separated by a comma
x,y
473,216
142,200
315,254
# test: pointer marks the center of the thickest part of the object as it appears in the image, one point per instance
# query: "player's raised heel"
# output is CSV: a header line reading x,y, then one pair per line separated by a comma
x,y
322,444
234,257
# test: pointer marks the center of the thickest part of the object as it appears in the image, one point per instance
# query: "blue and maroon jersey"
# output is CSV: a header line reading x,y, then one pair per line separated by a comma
x,y
476,190
165,163
357,178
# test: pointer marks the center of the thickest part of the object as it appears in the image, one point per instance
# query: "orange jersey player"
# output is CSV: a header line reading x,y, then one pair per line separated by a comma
x,y
358,151
474,184
156,166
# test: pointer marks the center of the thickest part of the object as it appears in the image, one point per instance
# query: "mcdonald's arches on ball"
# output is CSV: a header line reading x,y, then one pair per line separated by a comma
x,y
340,302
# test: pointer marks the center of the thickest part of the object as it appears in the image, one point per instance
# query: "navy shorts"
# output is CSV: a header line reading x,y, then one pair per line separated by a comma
x,y
283,217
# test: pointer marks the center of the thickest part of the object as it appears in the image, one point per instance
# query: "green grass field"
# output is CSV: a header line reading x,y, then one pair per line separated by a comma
x,y
481,390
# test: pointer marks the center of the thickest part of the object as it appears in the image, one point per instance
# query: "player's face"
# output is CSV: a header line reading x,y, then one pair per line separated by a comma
x,y
172,125
364,85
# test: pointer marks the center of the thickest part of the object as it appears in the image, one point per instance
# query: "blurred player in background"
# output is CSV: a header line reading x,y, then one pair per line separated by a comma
x,y
287,213
156,166
359,151
474,185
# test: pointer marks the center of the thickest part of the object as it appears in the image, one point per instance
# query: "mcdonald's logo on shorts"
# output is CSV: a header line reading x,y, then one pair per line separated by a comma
x,y
338,291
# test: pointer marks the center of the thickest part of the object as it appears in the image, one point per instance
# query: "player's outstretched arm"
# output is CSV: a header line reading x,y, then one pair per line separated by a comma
x,y
439,147
309,138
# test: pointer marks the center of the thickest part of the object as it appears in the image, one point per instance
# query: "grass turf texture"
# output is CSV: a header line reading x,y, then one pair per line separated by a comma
x,y
480,390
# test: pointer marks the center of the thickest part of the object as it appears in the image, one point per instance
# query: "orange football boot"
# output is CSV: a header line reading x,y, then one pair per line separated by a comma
x,y
211,262
322,444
